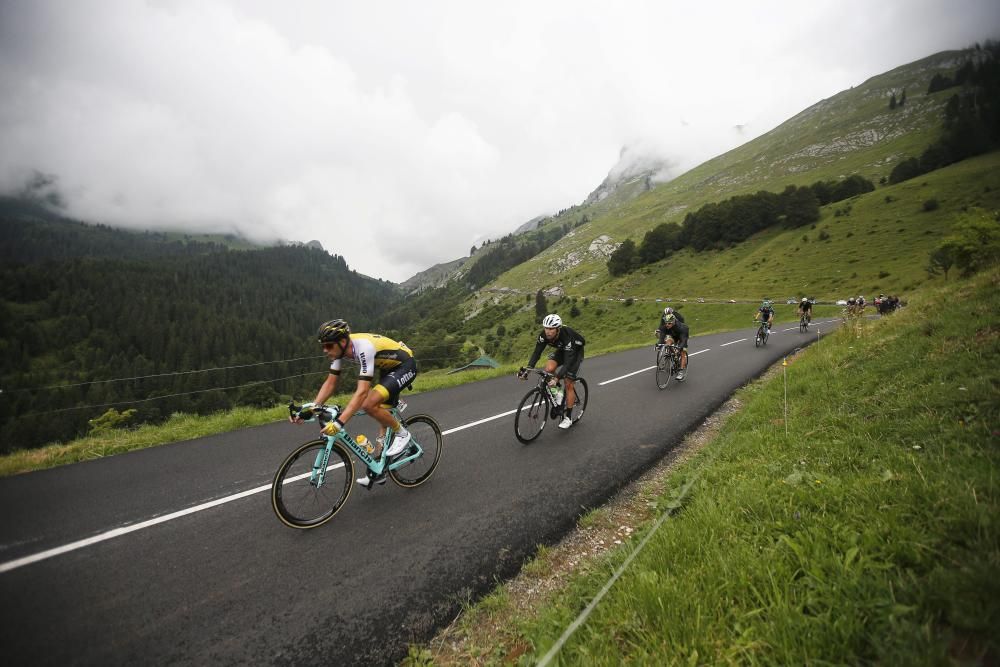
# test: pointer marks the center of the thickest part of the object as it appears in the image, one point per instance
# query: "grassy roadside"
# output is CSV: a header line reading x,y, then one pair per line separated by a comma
x,y
626,328
870,534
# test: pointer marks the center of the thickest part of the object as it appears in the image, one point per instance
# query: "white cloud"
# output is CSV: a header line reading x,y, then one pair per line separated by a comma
x,y
399,133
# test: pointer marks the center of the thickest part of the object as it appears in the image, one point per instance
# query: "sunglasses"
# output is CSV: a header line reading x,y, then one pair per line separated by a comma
x,y
329,346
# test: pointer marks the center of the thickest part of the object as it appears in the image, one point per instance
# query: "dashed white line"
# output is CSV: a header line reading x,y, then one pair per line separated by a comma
x,y
732,342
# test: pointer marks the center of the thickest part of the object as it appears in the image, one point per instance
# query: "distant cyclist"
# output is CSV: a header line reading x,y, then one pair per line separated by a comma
x,y
369,351
564,362
673,331
670,311
765,313
806,308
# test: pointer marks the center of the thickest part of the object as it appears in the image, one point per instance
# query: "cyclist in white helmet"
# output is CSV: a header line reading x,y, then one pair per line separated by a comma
x,y
564,362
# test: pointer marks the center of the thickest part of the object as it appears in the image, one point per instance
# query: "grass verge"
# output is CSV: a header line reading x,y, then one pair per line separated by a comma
x,y
870,534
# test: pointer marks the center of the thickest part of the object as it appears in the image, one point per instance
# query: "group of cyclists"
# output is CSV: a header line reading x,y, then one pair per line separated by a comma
x,y
398,368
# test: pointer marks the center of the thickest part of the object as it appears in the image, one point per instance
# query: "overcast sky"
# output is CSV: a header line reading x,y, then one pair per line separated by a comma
x,y
399,134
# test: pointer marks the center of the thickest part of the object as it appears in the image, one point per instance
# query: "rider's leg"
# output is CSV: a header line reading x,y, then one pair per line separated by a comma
x,y
570,394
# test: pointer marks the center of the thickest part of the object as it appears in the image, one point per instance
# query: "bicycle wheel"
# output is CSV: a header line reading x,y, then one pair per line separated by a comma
x,y
803,325
758,339
427,434
531,415
664,370
295,496
582,394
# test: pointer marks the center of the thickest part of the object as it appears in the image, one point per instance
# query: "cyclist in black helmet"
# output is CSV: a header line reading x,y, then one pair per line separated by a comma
x,y
369,351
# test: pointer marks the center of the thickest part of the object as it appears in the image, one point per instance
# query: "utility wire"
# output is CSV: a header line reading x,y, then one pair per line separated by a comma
x,y
157,398
156,375
204,370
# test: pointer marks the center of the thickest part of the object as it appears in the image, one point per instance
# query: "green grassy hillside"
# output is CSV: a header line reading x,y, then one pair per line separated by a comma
x,y
878,242
865,530
854,132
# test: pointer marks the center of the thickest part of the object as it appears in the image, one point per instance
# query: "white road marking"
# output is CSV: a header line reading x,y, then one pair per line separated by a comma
x,y
643,370
734,341
125,530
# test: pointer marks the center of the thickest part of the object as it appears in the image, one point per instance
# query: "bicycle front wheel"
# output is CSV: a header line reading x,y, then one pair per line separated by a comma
x,y
531,415
803,325
305,496
582,394
426,433
758,339
664,371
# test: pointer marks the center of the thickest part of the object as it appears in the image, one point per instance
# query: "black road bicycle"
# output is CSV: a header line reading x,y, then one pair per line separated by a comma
x,y
762,333
668,363
540,404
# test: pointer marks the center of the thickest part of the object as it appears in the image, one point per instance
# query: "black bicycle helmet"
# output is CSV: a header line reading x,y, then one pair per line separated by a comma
x,y
332,331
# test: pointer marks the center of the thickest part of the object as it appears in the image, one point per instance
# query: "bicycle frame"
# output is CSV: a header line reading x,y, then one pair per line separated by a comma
x,y
376,466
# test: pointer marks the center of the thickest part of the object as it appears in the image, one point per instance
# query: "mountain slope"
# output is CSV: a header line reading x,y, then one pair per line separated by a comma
x,y
853,132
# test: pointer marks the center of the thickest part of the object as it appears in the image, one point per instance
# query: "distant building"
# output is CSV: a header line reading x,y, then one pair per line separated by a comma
x,y
480,363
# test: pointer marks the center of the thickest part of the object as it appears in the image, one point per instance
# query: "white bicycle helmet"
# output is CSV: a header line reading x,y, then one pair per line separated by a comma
x,y
667,310
552,321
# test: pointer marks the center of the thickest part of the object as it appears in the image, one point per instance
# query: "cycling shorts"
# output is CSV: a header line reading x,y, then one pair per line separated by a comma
x,y
395,380
569,361
670,340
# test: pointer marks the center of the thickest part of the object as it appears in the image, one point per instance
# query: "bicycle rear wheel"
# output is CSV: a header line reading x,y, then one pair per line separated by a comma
x,y
531,415
426,433
664,370
803,325
297,497
758,339
582,394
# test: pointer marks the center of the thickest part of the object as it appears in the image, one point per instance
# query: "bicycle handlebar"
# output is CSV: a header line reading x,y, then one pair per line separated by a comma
x,y
324,414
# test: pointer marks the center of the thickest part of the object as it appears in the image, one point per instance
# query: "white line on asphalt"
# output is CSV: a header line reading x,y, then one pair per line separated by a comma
x,y
481,421
125,530
734,341
643,370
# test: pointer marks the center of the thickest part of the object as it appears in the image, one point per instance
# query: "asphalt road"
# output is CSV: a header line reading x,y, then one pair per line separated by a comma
x,y
172,555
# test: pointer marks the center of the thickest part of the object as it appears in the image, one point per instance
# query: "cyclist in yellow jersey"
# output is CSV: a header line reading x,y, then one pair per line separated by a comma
x,y
369,351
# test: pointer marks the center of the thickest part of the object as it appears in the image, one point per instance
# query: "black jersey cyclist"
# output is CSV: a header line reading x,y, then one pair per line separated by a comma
x,y
673,331
670,311
806,308
765,313
369,351
564,362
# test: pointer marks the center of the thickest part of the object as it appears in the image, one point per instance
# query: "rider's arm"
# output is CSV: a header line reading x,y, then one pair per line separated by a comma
x,y
539,346
326,390
353,405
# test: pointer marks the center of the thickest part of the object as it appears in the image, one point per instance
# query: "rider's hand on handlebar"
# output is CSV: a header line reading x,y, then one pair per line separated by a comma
x,y
522,374
332,427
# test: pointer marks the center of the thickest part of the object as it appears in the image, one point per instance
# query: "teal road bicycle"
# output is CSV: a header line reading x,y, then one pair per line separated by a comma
x,y
317,478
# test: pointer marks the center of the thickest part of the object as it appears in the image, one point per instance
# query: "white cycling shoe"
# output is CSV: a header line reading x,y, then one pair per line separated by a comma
x,y
399,442
565,423
368,481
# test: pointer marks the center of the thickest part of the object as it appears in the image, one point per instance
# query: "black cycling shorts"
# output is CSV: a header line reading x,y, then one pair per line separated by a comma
x,y
569,369
681,344
393,381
